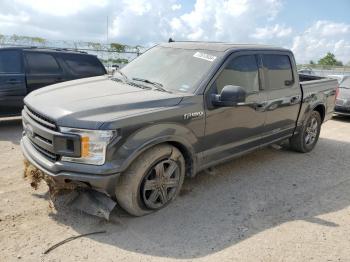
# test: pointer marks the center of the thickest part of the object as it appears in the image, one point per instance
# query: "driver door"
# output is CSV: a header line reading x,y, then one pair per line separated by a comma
x,y
234,129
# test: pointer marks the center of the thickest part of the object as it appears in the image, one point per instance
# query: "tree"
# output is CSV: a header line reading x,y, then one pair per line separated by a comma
x,y
311,62
118,47
329,60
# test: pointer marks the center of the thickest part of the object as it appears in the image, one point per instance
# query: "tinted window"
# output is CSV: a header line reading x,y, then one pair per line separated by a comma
x,y
278,70
40,63
10,62
241,71
84,65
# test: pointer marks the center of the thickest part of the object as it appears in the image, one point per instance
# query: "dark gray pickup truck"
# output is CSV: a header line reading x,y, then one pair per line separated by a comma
x,y
177,109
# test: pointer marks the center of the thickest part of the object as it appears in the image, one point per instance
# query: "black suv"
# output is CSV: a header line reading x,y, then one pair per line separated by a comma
x,y
23,70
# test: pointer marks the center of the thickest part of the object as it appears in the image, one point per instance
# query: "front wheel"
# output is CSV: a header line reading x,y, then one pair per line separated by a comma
x,y
308,136
152,181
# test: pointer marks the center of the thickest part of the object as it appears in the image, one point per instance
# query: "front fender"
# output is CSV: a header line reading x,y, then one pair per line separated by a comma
x,y
139,141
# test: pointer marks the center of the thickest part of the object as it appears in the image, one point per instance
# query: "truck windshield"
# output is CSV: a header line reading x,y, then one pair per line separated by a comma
x,y
176,69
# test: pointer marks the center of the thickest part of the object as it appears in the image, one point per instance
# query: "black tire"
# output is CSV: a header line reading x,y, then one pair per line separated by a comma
x,y
307,138
143,188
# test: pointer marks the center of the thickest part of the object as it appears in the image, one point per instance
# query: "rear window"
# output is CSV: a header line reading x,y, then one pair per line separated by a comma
x,y
279,71
40,63
84,65
10,62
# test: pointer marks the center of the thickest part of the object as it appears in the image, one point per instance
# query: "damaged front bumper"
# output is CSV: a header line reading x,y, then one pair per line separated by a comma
x,y
88,193
102,183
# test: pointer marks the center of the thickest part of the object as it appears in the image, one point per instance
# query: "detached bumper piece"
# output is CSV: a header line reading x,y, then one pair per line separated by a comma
x,y
72,195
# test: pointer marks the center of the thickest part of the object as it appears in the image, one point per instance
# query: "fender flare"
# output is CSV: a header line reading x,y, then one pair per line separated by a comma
x,y
141,140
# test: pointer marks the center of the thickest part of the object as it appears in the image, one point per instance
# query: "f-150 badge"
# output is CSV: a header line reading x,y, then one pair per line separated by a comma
x,y
193,115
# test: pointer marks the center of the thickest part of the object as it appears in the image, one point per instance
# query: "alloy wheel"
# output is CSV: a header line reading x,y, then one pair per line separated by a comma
x,y
160,184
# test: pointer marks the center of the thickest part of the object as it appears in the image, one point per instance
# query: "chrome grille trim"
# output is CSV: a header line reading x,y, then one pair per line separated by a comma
x,y
40,119
46,153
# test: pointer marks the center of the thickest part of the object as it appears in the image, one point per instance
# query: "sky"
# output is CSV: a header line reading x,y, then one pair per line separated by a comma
x,y
309,28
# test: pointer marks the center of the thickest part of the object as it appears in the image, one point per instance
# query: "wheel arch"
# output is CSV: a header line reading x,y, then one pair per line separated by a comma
x,y
321,109
185,149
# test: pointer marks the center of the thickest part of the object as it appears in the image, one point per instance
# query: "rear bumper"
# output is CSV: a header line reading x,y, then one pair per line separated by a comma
x,y
102,183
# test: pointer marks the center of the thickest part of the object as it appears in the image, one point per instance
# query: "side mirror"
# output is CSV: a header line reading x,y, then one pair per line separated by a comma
x,y
230,96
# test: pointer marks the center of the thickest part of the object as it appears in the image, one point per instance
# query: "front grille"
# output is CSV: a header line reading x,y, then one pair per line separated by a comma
x,y
46,153
40,131
42,120
43,135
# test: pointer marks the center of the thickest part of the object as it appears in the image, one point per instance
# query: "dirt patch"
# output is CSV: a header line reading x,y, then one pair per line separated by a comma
x,y
36,176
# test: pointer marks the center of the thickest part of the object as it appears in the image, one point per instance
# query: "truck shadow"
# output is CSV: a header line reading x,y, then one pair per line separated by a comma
x,y
11,129
246,196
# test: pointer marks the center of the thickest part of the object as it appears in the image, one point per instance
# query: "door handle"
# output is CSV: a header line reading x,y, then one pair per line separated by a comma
x,y
294,100
258,106
13,81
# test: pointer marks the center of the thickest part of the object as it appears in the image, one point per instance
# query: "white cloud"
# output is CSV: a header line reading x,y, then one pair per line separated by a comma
x,y
11,19
320,38
145,22
225,20
60,8
270,32
176,7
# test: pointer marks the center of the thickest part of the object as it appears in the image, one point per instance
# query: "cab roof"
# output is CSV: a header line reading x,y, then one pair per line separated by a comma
x,y
45,49
220,46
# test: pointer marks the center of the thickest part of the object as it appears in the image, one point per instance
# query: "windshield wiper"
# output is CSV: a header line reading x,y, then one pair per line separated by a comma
x,y
122,74
158,86
127,81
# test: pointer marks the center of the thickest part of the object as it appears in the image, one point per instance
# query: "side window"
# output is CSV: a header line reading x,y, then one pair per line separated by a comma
x,y
84,65
10,62
278,70
40,63
241,71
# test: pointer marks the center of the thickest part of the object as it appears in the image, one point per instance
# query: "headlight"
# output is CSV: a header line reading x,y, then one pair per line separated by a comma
x,y
93,145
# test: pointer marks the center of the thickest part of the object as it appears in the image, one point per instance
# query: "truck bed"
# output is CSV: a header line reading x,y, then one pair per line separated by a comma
x,y
316,88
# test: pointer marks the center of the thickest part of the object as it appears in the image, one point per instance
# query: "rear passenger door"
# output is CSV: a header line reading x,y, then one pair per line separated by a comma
x,y
283,94
83,65
12,82
42,70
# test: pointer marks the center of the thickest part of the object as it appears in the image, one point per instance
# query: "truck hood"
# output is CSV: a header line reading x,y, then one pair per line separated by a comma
x,y
91,102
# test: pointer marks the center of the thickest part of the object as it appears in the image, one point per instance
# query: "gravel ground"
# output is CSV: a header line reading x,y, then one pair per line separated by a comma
x,y
270,205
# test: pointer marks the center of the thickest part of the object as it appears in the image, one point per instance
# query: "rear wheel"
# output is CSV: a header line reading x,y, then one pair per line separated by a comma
x,y
152,181
308,136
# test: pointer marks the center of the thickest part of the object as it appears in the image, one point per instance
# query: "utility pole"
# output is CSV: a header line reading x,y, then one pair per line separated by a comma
x,y
107,47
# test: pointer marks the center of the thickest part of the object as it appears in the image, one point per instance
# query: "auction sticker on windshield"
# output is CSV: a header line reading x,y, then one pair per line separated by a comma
x,y
204,56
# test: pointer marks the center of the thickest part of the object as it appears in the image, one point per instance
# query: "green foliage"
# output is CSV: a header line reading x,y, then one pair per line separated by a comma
x,y
311,62
15,37
28,39
329,60
118,47
38,40
96,46
115,61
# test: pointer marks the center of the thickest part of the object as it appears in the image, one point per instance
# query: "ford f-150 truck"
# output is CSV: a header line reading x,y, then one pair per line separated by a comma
x,y
179,108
